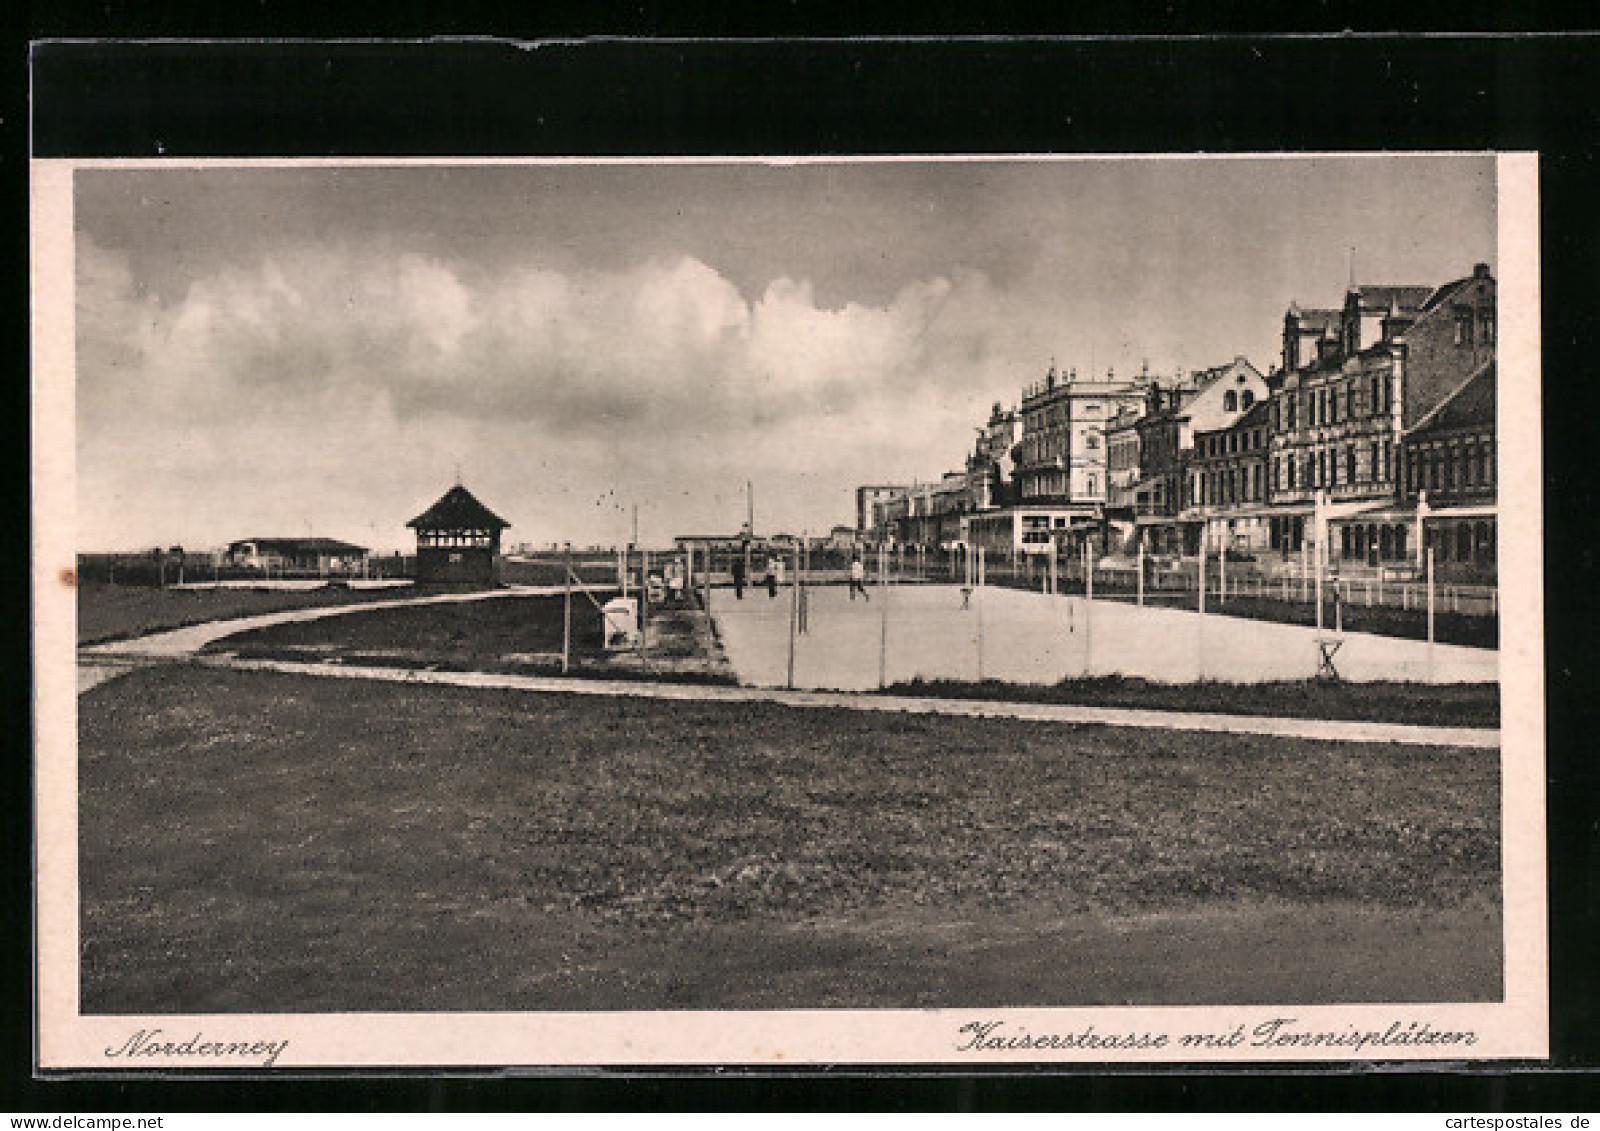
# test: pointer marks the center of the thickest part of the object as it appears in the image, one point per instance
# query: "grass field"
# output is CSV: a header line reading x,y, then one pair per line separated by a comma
x,y
476,635
117,612
1453,704
255,842
514,634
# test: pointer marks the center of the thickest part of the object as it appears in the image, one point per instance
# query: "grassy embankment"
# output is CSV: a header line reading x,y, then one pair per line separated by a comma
x,y
255,842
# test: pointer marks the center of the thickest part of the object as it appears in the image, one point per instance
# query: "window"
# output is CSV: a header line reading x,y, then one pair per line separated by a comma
x,y
1230,401
1463,327
1246,399
1487,328
1350,463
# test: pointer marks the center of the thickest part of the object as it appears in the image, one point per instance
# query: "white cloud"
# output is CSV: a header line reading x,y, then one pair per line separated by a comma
x,y
355,374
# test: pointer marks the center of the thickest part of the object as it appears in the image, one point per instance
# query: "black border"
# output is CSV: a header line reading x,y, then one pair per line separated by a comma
x,y
887,95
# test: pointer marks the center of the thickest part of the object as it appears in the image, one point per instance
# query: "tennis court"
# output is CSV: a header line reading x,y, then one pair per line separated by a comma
x,y
936,632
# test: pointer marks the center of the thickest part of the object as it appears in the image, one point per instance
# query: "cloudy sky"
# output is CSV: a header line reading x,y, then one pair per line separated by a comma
x,y
283,351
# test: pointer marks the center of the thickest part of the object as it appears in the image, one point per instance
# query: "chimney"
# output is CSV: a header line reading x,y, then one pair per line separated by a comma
x,y
1480,270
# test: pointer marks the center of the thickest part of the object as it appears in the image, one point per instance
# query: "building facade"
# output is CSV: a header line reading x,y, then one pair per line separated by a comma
x,y
1208,400
1450,477
1227,490
869,503
1061,455
990,468
458,541
1338,420
324,557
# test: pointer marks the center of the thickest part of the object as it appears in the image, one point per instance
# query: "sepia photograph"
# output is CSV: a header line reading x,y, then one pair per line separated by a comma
x,y
933,609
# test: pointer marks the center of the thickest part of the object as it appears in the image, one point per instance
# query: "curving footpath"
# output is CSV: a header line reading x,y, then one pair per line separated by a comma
x,y
100,662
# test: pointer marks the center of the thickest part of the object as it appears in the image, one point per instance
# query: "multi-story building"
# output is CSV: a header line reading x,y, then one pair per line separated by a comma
x,y
1338,418
990,466
1061,456
1227,489
868,502
1122,459
932,512
1450,478
1208,400
1122,479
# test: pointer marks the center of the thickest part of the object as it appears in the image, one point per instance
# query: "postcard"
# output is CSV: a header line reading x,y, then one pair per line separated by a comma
x,y
942,610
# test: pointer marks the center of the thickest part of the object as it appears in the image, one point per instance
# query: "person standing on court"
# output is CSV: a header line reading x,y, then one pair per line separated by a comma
x,y
738,577
772,577
858,578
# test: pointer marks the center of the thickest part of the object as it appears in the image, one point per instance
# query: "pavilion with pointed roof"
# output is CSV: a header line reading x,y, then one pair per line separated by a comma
x,y
458,541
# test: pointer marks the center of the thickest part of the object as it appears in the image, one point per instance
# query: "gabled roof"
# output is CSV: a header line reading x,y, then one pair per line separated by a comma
x,y
1260,413
457,509
1448,290
1257,415
301,545
1470,405
1382,298
1316,319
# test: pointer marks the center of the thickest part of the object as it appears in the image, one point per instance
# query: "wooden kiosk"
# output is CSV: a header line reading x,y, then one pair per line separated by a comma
x,y
458,541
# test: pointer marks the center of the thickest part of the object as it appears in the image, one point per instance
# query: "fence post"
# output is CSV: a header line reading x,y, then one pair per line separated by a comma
x,y
644,605
1088,609
566,615
1430,614
794,616
1317,566
978,596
